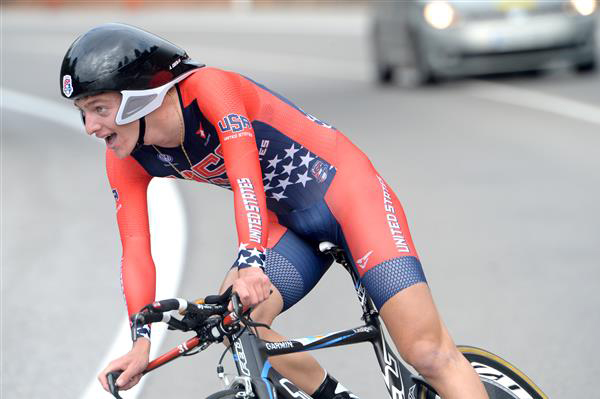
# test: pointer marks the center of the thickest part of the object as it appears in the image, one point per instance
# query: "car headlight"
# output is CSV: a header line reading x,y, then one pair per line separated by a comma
x,y
584,7
440,14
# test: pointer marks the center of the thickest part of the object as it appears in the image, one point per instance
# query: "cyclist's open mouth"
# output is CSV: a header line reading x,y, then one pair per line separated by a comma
x,y
110,139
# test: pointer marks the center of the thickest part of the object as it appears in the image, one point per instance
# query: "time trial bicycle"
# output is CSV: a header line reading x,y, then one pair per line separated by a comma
x,y
257,379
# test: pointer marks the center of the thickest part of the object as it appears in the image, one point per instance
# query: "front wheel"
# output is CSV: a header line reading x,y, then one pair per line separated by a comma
x,y
501,379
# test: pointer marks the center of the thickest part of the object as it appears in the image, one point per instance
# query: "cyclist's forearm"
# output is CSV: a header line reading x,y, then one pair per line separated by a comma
x,y
141,345
138,274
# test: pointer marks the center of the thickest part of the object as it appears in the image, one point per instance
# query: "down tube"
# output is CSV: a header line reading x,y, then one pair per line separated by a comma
x,y
285,388
397,377
252,363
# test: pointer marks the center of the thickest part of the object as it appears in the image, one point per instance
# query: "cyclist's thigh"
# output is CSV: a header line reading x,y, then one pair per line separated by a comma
x,y
374,227
293,265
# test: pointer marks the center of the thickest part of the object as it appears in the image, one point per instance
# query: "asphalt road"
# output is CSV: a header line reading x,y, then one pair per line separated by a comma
x,y
501,197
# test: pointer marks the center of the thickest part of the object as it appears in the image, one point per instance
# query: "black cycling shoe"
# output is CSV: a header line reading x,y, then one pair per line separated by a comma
x,y
331,389
345,395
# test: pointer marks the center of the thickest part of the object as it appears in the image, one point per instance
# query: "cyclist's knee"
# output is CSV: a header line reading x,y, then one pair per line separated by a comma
x,y
432,357
419,334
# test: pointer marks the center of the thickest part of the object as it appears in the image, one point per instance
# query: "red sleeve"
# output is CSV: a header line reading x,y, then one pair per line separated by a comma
x,y
129,183
220,99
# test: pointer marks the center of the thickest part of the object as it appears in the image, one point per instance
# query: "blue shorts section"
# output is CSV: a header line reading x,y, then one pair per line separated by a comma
x,y
390,277
315,223
294,266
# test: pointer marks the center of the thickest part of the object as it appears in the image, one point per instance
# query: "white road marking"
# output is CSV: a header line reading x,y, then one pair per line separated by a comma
x,y
40,108
167,226
535,100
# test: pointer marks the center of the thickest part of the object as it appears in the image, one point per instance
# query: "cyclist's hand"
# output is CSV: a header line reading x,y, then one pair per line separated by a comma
x,y
252,286
132,364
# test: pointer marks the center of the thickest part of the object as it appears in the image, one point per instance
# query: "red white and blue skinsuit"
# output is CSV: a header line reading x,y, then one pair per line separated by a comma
x,y
296,181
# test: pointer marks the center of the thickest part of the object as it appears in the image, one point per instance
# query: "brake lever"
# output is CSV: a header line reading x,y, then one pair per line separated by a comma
x,y
238,308
244,316
219,299
112,383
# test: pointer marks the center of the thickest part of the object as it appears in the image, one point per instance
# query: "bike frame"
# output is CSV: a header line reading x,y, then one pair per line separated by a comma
x,y
251,353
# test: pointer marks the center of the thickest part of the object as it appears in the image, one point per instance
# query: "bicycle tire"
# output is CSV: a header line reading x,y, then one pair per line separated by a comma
x,y
224,394
501,379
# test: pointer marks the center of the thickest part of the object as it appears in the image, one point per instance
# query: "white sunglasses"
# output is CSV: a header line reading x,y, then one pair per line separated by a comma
x,y
136,104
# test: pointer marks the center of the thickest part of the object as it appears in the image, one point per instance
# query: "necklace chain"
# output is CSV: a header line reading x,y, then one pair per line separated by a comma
x,y
182,132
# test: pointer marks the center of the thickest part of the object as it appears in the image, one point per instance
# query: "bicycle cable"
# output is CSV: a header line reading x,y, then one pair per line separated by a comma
x,y
220,368
247,323
250,323
198,350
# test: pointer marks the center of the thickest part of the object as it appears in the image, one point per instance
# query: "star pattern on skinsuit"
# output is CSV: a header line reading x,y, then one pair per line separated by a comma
x,y
254,257
255,252
306,159
255,264
271,175
286,168
289,168
303,179
267,186
291,151
284,183
242,259
273,162
278,196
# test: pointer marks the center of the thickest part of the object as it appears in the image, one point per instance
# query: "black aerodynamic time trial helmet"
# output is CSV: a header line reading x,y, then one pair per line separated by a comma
x,y
119,57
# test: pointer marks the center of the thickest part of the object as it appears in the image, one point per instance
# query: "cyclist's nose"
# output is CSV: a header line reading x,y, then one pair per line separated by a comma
x,y
92,126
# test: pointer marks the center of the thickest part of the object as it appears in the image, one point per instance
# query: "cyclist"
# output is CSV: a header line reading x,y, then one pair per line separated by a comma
x,y
296,181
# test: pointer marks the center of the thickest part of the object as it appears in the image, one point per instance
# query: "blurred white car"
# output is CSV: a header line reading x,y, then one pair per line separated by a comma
x,y
447,38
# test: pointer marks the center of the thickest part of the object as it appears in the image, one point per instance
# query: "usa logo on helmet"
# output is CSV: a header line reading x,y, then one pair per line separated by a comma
x,y
67,85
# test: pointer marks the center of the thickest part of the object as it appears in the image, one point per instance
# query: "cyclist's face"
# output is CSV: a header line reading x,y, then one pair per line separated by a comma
x,y
99,114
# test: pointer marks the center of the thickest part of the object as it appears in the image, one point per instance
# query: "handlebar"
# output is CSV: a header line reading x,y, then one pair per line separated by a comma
x,y
199,317
195,312
112,383
208,317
